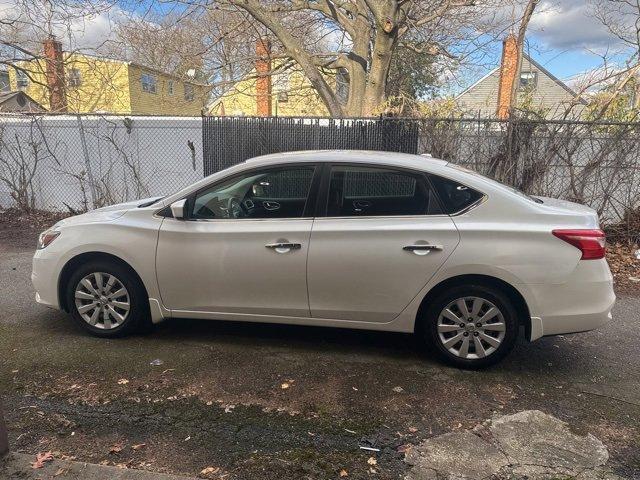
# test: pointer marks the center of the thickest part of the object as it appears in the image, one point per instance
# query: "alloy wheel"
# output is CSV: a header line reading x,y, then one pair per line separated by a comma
x,y
102,300
471,327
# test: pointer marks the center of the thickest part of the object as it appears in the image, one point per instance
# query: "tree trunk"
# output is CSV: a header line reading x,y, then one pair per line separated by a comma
x,y
357,68
524,23
297,52
380,63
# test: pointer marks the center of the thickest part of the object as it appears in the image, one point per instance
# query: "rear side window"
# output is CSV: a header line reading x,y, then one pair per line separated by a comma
x,y
454,196
369,191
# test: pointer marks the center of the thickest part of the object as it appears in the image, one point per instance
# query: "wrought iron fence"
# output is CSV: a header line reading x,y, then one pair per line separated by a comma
x,y
81,162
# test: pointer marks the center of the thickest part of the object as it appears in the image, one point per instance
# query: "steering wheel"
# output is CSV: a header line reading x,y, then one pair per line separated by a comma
x,y
235,208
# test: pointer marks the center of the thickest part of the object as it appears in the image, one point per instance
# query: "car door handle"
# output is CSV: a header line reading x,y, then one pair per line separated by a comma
x,y
271,205
283,247
422,249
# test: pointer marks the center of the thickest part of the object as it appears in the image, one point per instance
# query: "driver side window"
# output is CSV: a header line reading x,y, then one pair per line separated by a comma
x,y
270,193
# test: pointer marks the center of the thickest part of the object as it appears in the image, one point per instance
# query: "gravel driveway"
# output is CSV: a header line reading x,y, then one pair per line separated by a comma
x,y
254,401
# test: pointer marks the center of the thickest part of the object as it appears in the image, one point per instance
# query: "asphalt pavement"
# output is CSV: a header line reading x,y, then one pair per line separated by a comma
x,y
255,401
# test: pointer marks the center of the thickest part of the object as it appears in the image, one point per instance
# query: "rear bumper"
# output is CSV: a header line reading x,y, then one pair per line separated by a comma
x,y
581,304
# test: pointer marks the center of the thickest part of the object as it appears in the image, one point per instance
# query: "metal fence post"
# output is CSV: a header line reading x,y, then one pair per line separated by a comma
x,y
87,161
4,438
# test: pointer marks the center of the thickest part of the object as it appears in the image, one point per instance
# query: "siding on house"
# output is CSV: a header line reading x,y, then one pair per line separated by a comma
x,y
549,94
95,84
292,96
170,97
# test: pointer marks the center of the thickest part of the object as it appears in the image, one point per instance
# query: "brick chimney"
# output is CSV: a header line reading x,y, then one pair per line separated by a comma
x,y
263,82
55,74
508,72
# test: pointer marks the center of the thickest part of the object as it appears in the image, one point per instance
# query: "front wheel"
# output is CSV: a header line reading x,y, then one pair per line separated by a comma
x,y
107,299
471,326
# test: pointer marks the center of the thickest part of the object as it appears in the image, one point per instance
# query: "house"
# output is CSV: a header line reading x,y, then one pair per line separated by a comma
x,y
15,102
81,83
272,88
537,89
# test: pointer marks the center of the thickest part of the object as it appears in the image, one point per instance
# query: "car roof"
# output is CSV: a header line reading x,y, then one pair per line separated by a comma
x,y
347,156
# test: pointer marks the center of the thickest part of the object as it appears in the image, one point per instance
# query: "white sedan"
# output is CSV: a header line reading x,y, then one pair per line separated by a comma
x,y
369,240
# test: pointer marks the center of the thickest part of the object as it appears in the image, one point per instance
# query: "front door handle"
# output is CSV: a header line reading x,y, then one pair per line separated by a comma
x,y
271,205
422,249
284,247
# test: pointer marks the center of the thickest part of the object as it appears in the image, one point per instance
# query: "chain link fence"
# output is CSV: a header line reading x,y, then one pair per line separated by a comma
x,y
594,163
75,163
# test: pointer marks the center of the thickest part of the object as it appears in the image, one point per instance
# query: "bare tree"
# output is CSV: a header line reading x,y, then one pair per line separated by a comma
x,y
522,30
622,20
360,38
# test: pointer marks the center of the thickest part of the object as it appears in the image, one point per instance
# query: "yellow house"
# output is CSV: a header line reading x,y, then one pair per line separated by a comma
x,y
290,93
102,85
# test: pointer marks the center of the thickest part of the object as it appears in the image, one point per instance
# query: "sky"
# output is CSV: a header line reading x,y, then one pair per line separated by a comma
x,y
562,35
566,39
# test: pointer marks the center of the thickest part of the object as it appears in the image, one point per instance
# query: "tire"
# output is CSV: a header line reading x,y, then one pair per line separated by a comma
x,y
124,299
496,316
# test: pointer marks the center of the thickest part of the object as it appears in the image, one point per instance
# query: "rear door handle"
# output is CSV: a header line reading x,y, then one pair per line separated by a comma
x,y
423,249
283,247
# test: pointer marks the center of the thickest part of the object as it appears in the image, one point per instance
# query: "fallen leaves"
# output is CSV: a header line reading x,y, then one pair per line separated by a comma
x,y
404,448
625,265
343,473
115,448
287,384
41,459
208,471
60,471
138,446
398,389
372,461
123,381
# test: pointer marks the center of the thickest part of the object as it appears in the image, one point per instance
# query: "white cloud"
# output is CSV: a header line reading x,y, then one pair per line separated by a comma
x,y
79,26
570,24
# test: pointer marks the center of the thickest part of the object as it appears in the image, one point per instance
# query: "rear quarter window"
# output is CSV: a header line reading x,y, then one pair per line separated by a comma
x,y
454,195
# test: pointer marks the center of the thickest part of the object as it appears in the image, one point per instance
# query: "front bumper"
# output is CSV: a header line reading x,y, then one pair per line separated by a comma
x,y
45,280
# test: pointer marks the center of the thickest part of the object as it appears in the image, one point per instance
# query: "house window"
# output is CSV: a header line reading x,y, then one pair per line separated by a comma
x,y
75,78
148,83
528,80
5,86
188,92
283,97
22,79
170,87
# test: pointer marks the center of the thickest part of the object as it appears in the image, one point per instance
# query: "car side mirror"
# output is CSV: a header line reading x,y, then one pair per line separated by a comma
x,y
177,208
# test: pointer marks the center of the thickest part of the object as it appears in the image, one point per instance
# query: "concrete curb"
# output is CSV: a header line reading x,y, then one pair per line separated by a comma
x,y
18,465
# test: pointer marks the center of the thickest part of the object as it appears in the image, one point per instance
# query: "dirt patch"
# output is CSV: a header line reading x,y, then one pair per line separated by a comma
x,y
19,230
625,266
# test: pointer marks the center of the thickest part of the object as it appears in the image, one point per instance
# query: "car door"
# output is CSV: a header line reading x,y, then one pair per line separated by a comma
x,y
380,240
242,247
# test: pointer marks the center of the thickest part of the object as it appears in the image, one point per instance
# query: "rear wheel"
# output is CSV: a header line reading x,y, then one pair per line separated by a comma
x,y
471,326
107,299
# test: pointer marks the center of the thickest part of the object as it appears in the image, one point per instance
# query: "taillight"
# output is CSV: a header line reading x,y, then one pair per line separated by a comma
x,y
590,242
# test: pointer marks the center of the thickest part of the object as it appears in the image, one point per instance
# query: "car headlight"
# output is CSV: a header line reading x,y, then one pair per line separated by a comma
x,y
47,237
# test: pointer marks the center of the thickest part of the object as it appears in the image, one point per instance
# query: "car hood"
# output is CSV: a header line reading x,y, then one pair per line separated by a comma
x,y
104,214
